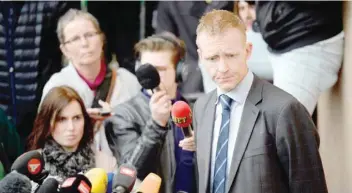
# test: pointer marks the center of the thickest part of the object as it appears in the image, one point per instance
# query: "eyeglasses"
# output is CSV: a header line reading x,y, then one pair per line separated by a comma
x,y
87,36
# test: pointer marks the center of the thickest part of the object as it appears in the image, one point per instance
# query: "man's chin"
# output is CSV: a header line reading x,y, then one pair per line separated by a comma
x,y
226,87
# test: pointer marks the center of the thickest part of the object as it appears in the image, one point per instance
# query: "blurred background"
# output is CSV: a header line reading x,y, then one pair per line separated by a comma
x,y
126,22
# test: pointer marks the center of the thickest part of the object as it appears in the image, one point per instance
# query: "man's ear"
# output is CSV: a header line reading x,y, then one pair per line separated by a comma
x,y
249,47
199,54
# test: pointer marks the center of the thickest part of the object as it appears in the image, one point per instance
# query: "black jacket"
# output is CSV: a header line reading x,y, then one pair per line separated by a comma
x,y
286,25
132,131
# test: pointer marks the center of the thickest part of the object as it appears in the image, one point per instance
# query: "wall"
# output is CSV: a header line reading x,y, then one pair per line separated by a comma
x,y
335,120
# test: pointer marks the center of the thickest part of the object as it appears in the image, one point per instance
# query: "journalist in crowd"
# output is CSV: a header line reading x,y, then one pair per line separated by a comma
x,y
141,130
63,133
250,135
100,85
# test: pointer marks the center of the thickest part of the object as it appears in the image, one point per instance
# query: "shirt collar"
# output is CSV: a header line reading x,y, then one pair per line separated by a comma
x,y
240,92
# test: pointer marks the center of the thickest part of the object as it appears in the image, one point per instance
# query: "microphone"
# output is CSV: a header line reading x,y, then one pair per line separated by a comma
x,y
181,115
150,184
15,182
76,184
148,77
31,164
110,182
50,185
125,179
99,180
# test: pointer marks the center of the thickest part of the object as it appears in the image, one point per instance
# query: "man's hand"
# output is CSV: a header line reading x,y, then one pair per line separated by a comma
x,y
188,144
160,107
95,113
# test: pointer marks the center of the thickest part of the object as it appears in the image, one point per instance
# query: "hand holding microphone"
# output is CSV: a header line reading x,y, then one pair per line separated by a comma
x,y
160,103
188,143
160,107
182,117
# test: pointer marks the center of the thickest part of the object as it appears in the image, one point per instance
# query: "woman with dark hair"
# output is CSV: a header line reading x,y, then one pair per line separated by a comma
x,y
63,132
101,86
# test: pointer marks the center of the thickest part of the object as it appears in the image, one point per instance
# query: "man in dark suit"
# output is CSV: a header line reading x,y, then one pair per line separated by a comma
x,y
251,136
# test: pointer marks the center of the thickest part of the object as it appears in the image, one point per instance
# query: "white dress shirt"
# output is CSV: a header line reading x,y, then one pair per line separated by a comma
x,y
239,96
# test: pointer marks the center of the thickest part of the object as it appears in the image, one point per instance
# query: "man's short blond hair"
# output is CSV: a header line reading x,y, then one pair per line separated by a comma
x,y
217,21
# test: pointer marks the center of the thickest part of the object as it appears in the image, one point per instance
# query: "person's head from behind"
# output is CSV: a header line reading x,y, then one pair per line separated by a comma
x,y
164,51
223,48
80,36
246,11
63,118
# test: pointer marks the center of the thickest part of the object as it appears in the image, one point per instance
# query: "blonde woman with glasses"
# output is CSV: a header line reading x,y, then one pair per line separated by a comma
x,y
100,85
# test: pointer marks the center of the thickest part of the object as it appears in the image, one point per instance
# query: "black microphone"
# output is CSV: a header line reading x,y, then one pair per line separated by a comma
x,y
76,184
148,77
31,164
50,185
15,182
124,179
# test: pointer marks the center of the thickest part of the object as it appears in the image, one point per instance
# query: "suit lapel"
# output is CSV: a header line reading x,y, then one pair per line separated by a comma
x,y
205,135
249,117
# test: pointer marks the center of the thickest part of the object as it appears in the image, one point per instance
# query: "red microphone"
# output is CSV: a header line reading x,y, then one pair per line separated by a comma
x,y
182,117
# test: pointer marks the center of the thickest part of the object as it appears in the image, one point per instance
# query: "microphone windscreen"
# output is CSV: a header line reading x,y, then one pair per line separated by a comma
x,y
181,114
99,180
76,184
15,182
148,76
50,185
30,164
125,177
150,184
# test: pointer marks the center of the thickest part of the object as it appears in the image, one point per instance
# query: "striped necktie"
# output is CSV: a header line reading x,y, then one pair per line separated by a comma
x,y
219,179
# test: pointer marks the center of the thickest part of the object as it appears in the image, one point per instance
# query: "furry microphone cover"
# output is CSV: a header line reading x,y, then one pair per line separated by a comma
x,y
15,183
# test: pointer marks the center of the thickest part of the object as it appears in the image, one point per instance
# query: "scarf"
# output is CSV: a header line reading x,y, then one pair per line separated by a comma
x,y
64,164
98,80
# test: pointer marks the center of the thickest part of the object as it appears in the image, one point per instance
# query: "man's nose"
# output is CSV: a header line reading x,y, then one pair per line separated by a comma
x,y
223,66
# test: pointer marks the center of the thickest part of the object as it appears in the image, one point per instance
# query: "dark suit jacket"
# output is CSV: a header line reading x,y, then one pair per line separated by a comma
x,y
276,150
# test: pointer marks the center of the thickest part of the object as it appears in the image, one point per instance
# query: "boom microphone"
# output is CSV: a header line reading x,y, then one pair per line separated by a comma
x,y
150,184
15,182
125,179
76,184
148,77
99,180
182,117
31,164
